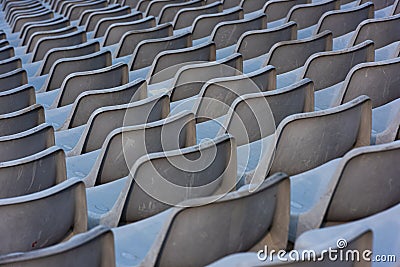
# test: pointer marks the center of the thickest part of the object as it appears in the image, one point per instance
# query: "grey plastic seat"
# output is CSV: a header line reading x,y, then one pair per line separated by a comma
x,y
31,30
197,171
227,33
247,220
302,141
142,5
31,12
47,43
217,95
359,242
350,188
154,7
10,64
19,22
168,12
185,17
73,13
14,7
34,24
131,3
250,6
106,119
64,215
87,102
59,53
167,63
21,120
278,9
95,17
255,43
35,38
286,56
32,174
83,19
17,98
203,25
92,248
103,25
65,66
7,52
153,137
13,79
189,80
129,40
378,4
147,50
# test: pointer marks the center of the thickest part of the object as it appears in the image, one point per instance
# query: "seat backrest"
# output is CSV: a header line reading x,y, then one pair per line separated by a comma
x,y
67,52
65,66
340,22
168,12
79,82
44,218
154,7
35,173
83,19
147,50
58,24
14,16
278,9
217,95
262,214
13,79
92,248
177,175
254,116
378,4
95,17
175,132
189,79
142,5
167,63
6,52
27,26
376,30
203,25
363,176
252,5
129,40
105,23
47,43
185,17
306,15
87,102
34,39
17,98
74,12
227,33
259,42
21,120
329,68
372,79
106,119
289,55
26,143
20,21
10,64
305,141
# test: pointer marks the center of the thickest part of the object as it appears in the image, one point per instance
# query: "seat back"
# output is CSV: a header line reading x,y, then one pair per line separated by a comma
x,y
44,218
329,68
7,52
378,4
227,33
181,174
83,19
172,133
154,7
259,42
105,23
252,5
218,226
20,21
74,12
305,141
185,17
34,39
27,26
92,248
54,25
35,173
290,55
218,94
17,98
278,9
340,22
10,64
13,79
189,79
364,176
95,17
79,82
21,120
168,13
147,50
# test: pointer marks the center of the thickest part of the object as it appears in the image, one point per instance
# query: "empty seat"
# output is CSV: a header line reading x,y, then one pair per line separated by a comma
x,y
55,214
17,98
26,143
201,170
21,120
278,9
8,65
83,19
92,248
19,22
352,188
33,173
6,52
74,12
103,25
59,24
378,4
185,17
168,12
146,51
13,79
252,5
27,26
129,40
95,17
154,7
246,220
